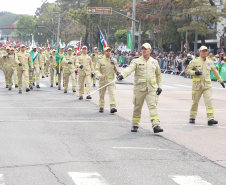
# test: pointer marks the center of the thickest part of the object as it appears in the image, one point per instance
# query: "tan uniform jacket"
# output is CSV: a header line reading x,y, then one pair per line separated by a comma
x,y
95,58
24,58
37,61
86,61
105,68
203,80
47,54
53,62
69,67
147,74
42,59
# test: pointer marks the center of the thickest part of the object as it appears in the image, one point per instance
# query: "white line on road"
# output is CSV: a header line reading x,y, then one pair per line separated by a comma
x,y
182,85
167,86
87,178
189,180
138,148
61,121
1,180
44,107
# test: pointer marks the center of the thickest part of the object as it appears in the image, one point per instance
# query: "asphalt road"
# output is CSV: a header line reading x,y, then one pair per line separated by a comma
x,y
49,138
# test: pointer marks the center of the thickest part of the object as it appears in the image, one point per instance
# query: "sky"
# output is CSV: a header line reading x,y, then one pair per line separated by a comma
x,y
21,6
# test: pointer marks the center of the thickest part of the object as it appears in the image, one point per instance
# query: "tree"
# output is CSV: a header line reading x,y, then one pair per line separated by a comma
x,y
121,36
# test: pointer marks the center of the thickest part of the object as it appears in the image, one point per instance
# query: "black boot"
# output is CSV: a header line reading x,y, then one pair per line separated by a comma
x,y
6,86
191,120
56,83
34,84
94,85
212,122
81,98
134,128
20,92
59,88
43,77
9,89
27,90
113,110
16,86
65,91
31,87
37,86
88,97
157,129
101,110
74,90
51,85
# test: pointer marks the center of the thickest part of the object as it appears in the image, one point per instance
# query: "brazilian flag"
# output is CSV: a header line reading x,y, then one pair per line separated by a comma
x,y
223,72
59,59
121,59
218,67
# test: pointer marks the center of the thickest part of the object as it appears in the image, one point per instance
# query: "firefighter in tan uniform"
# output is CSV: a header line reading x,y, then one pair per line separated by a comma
x,y
95,58
42,59
200,68
84,62
14,68
147,86
69,70
105,70
5,64
52,67
76,68
60,68
47,54
22,59
10,68
35,76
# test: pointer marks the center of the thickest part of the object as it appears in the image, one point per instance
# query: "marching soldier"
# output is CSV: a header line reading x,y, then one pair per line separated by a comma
x,y
84,62
187,60
11,67
35,76
147,86
105,69
60,67
14,68
200,69
52,67
75,50
95,58
69,70
5,65
22,59
47,55
42,59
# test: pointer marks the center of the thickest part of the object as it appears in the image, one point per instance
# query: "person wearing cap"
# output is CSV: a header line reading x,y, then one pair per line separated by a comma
x,y
5,65
35,76
186,61
69,70
47,55
106,69
200,69
11,67
52,67
95,58
14,68
60,67
84,62
147,86
42,59
75,50
23,59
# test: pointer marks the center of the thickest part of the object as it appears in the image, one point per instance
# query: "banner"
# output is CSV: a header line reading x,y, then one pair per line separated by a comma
x,y
223,72
129,40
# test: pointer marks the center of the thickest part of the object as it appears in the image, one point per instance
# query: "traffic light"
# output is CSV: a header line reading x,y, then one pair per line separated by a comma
x,y
36,26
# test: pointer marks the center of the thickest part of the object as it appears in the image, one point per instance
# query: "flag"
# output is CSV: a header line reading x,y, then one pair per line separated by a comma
x,y
223,72
129,40
102,42
218,67
52,42
59,59
47,42
121,59
79,47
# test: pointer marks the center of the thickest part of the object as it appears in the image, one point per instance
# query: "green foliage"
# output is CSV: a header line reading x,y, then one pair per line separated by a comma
x,y
121,36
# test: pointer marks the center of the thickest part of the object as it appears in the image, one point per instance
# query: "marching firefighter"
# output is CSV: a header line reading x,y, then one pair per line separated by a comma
x,y
147,86
200,68
94,57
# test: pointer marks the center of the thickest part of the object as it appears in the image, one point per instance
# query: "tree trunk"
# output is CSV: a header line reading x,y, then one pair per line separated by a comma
x,y
203,40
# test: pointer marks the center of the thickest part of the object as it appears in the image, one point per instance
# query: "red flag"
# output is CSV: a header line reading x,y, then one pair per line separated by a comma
x,y
79,48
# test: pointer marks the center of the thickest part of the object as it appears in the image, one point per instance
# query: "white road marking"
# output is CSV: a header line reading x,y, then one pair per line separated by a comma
x,y
189,180
167,86
138,148
87,178
61,121
1,180
45,107
183,85
194,125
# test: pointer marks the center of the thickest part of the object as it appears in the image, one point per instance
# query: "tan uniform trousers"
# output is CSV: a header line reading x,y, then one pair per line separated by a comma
x,y
67,74
207,95
52,75
83,78
151,99
111,92
34,76
9,77
43,69
5,73
94,79
15,76
59,75
47,68
20,72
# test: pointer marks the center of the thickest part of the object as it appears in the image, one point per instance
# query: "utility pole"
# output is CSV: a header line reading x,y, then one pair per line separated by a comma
x,y
58,30
90,47
187,42
101,16
133,22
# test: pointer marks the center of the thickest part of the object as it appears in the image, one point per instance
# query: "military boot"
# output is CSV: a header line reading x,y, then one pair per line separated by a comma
x,y
134,128
191,120
212,122
157,129
113,110
101,110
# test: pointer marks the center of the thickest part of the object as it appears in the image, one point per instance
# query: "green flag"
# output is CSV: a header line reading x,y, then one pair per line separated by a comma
x,y
58,59
121,59
100,46
129,40
218,67
223,72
